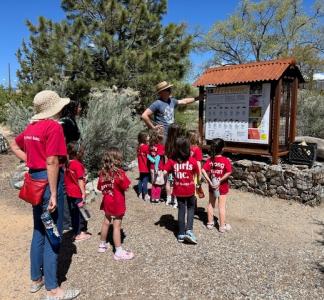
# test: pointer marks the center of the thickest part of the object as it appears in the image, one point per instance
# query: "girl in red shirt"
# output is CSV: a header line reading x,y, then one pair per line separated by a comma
x,y
113,182
74,180
217,169
156,163
184,168
143,167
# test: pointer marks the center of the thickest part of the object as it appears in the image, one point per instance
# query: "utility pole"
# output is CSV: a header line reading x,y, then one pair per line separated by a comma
x,y
9,86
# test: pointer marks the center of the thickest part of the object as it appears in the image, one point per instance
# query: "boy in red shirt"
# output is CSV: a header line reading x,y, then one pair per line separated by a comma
x,y
183,167
216,170
74,179
143,167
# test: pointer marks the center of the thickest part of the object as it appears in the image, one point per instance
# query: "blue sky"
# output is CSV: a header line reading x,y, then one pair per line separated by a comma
x,y
14,13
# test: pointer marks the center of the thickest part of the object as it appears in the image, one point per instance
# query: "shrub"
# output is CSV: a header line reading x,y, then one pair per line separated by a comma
x,y
110,122
310,115
17,116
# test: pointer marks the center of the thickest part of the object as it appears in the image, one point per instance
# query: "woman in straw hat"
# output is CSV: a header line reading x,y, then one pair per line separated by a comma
x,y
41,145
162,109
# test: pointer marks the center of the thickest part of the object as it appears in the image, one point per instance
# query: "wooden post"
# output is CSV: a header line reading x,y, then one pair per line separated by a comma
x,y
276,122
201,115
293,112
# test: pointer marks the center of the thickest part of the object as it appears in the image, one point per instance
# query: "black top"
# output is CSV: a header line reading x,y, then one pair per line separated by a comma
x,y
71,130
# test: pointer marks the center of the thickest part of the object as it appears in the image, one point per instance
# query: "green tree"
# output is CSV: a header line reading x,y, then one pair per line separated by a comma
x,y
269,29
105,43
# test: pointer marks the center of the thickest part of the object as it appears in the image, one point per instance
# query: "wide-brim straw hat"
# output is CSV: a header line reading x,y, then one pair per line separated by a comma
x,y
48,104
162,86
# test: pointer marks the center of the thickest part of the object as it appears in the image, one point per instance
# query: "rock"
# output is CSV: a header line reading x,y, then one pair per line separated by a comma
x,y
257,166
306,197
293,192
260,177
277,181
289,182
244,163
281,190
274,171
318,141
304,181
251,180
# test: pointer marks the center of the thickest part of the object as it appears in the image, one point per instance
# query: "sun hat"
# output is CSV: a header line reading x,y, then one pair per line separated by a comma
x,y
162,86
47,104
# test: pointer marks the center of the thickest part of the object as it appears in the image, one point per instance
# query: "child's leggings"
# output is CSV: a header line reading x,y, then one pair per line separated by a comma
x,y
156,191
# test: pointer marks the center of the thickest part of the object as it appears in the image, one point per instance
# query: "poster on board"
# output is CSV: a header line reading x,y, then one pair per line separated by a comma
x,y
238,113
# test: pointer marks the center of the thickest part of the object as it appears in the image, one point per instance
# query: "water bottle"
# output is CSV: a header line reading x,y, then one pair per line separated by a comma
x,y
215,181
51,230
84,211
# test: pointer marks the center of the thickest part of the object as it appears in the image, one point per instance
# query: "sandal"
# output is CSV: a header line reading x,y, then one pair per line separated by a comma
x,y
210,225
36,286
125,255
82,237
68,295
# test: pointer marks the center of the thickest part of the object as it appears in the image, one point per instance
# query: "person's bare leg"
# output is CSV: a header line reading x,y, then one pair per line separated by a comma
x,y
105,228
116,232
221,210
210,208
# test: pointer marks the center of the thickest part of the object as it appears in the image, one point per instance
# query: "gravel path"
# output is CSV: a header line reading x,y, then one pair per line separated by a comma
x,y
274,251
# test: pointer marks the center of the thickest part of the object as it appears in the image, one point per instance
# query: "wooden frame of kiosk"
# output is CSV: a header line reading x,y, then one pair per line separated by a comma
x,y
251,106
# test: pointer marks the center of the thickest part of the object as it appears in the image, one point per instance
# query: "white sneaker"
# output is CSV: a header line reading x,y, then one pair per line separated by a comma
x,y
226,227
175,205
147,198
168,201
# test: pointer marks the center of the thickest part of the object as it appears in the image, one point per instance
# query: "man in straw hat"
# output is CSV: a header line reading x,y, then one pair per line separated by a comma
x,y
162,109
42,146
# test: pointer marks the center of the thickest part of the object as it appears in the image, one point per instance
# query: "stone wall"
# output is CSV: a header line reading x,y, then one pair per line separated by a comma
x,y
291,182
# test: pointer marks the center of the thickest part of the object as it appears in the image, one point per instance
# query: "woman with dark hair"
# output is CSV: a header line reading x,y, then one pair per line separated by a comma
x,y
71,134
68,122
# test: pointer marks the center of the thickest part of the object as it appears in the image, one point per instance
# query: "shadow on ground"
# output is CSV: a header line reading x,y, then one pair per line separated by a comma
x,y
169,223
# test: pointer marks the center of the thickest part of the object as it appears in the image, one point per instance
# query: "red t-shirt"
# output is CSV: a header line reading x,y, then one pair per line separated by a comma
x,y
113,191
218,167
40,140
74,171
155,150
196,153
183,173
142,152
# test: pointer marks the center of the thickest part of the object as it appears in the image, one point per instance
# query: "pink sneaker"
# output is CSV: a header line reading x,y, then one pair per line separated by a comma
x,y
124,255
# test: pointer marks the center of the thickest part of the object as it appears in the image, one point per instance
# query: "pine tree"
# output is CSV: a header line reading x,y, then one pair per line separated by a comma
x,y
106,43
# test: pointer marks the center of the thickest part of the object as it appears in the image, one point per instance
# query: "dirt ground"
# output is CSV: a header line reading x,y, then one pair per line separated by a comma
x,y
274,251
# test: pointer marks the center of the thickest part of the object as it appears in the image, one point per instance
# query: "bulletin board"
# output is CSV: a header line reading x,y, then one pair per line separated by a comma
x,y
238,113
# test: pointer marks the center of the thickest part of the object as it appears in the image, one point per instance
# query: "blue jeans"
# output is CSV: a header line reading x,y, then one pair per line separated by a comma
x,y
142,183
186,204
43,259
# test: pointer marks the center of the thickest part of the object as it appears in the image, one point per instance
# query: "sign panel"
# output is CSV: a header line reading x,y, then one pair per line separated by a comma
x,y
238,113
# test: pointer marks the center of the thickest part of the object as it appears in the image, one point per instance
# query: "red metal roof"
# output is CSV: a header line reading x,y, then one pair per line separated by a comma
x,y
245,73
